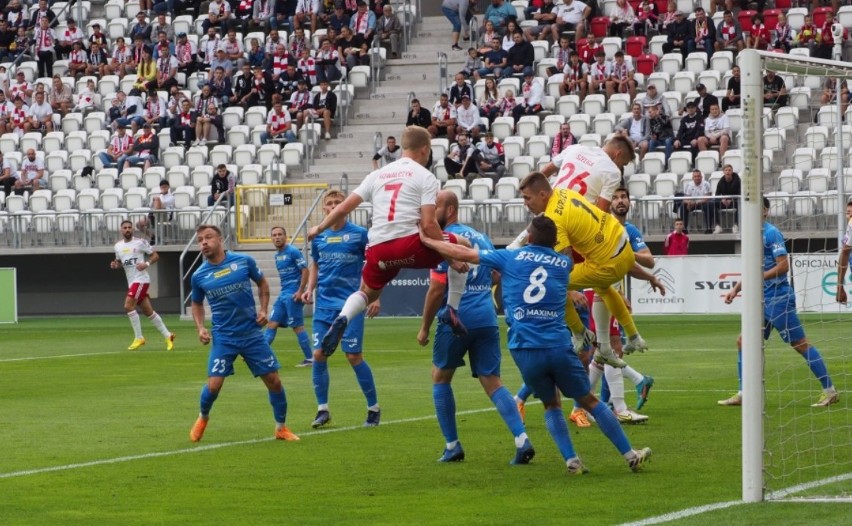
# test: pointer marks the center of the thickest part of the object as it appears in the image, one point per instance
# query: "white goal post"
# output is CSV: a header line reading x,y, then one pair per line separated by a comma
x,y
752,65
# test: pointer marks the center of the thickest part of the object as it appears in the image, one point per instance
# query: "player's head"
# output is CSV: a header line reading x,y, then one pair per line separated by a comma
x,y
279,237
620,203
126,228
209,239
330,201
417,144
536,191
542,232
446,208
620,149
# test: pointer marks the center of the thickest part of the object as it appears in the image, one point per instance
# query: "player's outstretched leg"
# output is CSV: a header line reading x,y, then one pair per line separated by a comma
x,y
158,323
554,419
206,403
615,382
305,345
355,305
521,400
508,410
604,353
445,411
364,375
736,399
138,339
615,304
609,426
321,381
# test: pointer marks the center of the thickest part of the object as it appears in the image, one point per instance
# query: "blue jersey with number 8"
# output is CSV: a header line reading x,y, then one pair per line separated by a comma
x,y
535,285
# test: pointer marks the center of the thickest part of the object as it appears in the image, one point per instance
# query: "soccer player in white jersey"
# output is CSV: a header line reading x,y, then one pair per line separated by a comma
x,y
403,195
130,254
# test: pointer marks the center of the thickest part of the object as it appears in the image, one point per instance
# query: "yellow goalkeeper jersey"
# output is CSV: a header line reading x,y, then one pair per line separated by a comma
x,y
590,231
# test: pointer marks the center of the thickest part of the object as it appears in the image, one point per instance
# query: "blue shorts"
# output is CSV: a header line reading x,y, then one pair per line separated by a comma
x,y
286,312
353,336
482,346
257,353
779,312
545,370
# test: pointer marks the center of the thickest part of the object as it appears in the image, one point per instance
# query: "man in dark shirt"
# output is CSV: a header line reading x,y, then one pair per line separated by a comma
x,y
349,46
458,89
6,39
729,184
241,91
520,56
494,61
691,128
732,97
418,116
679,35
705,100
774,92
339,19
288,82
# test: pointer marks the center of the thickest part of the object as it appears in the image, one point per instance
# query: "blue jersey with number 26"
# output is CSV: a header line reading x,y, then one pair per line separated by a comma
x,y
535,286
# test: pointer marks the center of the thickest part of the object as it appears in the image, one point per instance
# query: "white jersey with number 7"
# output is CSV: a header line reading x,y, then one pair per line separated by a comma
x,y
397,191
587,170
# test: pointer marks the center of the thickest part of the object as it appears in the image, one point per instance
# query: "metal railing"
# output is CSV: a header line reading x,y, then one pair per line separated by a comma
x,y
344,183
345,100
473,31
310,141
375,63
411,97
407,29
377,142
442,72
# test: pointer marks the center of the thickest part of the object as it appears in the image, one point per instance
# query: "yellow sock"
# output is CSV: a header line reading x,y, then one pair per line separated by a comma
x,y
616,306
573,319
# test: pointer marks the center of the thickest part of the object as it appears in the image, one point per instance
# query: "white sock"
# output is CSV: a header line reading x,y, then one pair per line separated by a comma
x,y
601,317
134,322
457,283
630,455
632,374
451,445
322,407
520,439
355,305
616,388
373,408
595,374
518,400
157,321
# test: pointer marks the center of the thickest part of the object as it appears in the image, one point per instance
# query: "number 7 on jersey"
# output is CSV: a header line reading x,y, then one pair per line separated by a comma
x,y
395,188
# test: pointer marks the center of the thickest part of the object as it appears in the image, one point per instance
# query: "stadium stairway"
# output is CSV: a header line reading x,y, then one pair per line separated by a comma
x,y
385,110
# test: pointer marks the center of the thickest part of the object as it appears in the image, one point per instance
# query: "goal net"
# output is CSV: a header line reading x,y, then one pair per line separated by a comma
x,y
804,146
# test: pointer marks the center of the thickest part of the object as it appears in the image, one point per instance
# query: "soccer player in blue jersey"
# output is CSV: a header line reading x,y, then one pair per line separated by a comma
x,y
288,309
338,256
225,280
481,344
535,287
779,312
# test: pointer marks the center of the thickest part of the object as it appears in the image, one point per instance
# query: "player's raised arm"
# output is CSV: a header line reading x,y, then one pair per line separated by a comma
x,y
450,250
640,273
429,224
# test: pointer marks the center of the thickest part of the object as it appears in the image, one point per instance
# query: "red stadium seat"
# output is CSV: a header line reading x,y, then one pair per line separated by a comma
x,y
600,26
783,4
582,45
646,64
634,4
662,6
744,19
819,15
770,18
635,46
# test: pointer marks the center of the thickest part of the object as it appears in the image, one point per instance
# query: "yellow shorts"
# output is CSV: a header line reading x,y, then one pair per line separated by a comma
x,y
592,275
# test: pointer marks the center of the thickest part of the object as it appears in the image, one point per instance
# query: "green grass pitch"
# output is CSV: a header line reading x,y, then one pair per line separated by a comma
x,y
95,434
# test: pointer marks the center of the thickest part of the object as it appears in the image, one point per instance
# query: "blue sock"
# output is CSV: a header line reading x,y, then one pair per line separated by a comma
x,y
320,375
445,410
305,344
554,419
610,427
817,365
279,405
207,399
604,390
269,334
365,379
524,392
740,368
508,409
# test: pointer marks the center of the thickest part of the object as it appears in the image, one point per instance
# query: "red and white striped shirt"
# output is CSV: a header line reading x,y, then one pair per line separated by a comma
x,y
120,144
121,55
279,64
186,119
19,89
278,121
308,67
153,107
729,32
19,115
299,100
184,52
44,39
620,71
78,56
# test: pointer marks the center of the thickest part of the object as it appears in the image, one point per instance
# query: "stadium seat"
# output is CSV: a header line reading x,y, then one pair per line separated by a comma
x,y
829,205
656,44
593,104
522,165
603,124
590,139
527,126
506,188
665,184
551,124
244,154
660,80
775,139
819,14
787,118
711,80
59,180
680,161
618,104
804,159
828,116
707,161
735,159
480,189
635,46
646,64
818,180
638,185
31,140
538,146
790,180
828,158
513,146
292,154
683,82
111,198
722,61
255,116
568,105
844,16
654,163
671,63
503,127
9,142
744,18
696,62
580,124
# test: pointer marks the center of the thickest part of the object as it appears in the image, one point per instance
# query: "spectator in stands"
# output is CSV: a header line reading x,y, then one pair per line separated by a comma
x,y
574,75
495,61
7,41
119,145
646,18
223,182
339,19
418,116
211,47
571,16
690,130
221,60
220,87
679,33
443,119
243,11
288,82
807,35
520,57
729,34
499,12
21,88
717,130
829,94
698,199
40,117
299,102
278,125
458,90
562,54
282,11
531,95
661,133
86,97
165,202
599,73
146,71
508,40
241,91
8,175
6,108
732,96
783,34
388,27
729,185
825,48
621,78
32,175
98,36
45,40
705,100
487,36
703,34
19,116
387,154
185,52
167,68
324,106
120,60
759,37
279,61
233,47
134,114
546,18
677,242
655,98
162,25
363,22
97,61
262,16
459,161
621,17
78,61
467,119
218,15
349,46
490,159
43,11
472,64
774,91
489,102
61,96
182,130
66,38
21,45
669,17
508,103
636,127
209,120
176,98
327,61
141,28
155,110
137,53
562,140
